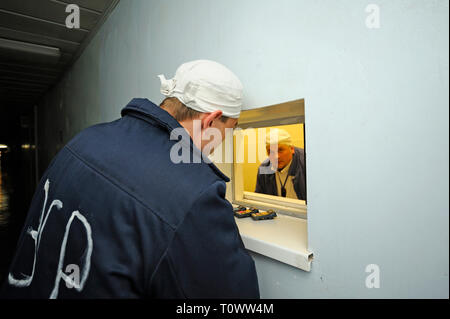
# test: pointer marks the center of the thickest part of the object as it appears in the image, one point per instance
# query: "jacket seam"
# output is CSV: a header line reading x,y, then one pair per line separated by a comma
x,y
173,237
116,184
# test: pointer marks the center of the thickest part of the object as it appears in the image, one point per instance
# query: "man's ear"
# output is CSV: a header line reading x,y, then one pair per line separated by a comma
x,y
209,118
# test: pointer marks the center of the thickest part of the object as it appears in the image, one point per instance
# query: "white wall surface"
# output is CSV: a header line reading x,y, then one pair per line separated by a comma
x,y
376,105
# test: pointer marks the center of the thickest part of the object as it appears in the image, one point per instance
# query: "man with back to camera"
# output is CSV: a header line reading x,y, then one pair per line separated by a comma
x,y
114,216
283,172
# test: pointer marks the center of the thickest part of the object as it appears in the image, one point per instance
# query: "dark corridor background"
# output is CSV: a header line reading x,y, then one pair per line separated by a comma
x,y
37,47
17,178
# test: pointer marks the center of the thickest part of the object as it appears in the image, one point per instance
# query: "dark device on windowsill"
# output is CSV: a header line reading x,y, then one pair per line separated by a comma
x,y
270,214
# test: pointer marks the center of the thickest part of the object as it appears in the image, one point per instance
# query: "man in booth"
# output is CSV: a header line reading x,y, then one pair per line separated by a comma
x,y
283,172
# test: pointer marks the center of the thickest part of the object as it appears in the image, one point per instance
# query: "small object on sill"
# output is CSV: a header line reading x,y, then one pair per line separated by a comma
x,y
246,212
239,209
270,214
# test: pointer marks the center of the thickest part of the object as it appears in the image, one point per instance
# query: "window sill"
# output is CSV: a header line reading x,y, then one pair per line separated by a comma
x,y
287,206
283,238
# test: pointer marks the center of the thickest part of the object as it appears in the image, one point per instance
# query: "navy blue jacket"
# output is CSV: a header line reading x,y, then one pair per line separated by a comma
x,y
266,183
114,217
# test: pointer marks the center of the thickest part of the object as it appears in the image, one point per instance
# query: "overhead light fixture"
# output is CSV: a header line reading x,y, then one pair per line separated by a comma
x,y
32,48
16,51
3,146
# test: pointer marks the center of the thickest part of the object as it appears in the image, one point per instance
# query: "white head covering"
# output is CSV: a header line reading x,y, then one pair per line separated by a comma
x,y
278,136
205,86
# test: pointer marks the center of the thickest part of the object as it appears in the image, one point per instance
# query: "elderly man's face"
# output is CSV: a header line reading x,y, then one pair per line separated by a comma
x,y
283,154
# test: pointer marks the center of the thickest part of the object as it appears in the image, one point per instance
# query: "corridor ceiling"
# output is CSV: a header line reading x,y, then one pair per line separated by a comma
x,y
36,46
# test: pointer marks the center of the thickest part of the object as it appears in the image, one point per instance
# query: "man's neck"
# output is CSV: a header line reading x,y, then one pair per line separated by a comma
x,y
190,128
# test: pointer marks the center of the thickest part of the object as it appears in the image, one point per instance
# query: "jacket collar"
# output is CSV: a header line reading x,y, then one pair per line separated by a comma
x,y
295,163
150,112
